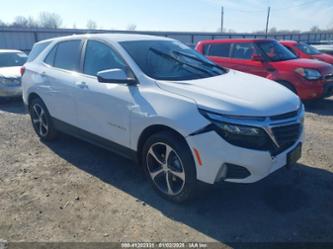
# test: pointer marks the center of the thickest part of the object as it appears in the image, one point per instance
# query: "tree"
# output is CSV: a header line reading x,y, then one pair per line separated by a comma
x,y
2,24
91,24
50,20
20,22
131,27
315,29
273,30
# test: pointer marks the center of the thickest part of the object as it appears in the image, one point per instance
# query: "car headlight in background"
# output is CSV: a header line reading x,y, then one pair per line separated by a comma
x,y
309,74
239,135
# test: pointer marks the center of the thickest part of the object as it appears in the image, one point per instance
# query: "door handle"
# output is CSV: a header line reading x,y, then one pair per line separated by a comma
x,y
82,85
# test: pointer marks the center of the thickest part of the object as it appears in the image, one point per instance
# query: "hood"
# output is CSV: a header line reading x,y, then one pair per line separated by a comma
x,y
304,63
324,57
10,72
236,93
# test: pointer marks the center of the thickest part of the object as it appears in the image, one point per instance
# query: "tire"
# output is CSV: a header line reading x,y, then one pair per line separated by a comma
x,y
174,177
41,120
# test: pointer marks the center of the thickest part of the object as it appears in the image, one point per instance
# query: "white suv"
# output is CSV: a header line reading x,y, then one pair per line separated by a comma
x,y
155,100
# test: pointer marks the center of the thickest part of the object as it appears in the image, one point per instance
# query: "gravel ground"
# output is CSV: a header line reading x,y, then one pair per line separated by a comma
x,y
72,191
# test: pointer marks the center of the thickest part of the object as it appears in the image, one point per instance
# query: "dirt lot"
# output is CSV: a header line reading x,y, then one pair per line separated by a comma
x,y
72,191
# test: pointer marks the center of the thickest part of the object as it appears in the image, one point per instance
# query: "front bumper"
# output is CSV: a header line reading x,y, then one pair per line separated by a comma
x,y
12,91
215,153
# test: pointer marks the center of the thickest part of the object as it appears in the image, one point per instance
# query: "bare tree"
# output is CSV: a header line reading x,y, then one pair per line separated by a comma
x,y
50,20
315,29
20,22
91,24
2,24
131,27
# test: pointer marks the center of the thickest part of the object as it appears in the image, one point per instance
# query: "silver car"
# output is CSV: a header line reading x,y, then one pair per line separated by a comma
x,y
10,76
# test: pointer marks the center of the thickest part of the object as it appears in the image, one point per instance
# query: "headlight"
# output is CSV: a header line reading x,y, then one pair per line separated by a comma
x,y
239,135
309,74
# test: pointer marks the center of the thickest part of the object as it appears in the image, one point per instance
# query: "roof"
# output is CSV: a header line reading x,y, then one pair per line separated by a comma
x,y
111,37
234,40
288,42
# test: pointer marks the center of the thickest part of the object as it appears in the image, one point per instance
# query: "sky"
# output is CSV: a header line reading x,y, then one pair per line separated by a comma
x,y
179,15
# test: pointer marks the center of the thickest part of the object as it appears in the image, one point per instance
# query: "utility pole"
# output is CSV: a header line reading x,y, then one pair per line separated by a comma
x,y
222,18
267,22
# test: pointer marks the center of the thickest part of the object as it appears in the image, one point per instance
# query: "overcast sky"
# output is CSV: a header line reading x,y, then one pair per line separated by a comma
x,y
179,15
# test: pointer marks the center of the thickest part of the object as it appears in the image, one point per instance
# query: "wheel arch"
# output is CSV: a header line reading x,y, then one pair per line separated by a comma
x,y
153,129
287,84
32,96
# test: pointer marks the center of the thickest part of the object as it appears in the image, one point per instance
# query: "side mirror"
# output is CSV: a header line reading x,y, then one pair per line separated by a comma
x,y
117,76
257,57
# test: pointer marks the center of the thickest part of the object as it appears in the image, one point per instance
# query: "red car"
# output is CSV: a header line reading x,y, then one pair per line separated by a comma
x,y
303,50
310,79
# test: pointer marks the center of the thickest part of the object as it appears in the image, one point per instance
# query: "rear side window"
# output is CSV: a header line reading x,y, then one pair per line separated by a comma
x,y
50,57
243,51
219,50
100,57
67,55
36,50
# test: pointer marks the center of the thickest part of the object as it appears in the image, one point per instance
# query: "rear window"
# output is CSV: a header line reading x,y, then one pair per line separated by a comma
x,y
219,50
67,55
36,50
12,59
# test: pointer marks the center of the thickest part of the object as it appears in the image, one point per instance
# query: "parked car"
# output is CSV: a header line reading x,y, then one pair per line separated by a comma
x,y
10,77
156,101
324,48
267,58
303,50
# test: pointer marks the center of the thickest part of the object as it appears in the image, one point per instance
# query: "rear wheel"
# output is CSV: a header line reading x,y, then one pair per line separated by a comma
x,y
170,167
41,120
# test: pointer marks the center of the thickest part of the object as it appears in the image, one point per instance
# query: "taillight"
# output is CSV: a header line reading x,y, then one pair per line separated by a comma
x,y
22,70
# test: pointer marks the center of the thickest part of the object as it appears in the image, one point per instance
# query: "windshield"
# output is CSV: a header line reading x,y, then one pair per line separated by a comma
x,y
170,60
305,48
12,59
275,51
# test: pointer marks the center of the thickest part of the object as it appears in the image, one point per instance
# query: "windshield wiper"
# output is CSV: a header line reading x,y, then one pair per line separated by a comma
x,y
181,62
211,64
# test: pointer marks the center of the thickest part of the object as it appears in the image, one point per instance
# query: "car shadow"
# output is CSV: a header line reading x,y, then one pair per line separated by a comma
x,y
13,105
289,206
321,107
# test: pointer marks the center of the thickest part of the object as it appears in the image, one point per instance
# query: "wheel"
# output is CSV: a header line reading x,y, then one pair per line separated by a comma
x,y
41,120
170,167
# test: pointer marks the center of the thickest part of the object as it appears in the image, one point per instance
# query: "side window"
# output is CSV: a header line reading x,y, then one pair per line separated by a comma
x,y
243,51
99,57
36,50
291,50
68,55
219,50
49,60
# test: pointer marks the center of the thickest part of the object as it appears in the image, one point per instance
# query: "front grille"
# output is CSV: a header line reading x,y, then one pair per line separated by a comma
x,y
329,77
284,116
286,136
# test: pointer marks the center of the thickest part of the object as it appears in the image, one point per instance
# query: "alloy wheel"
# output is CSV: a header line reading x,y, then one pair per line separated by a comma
x,y
165,168
39,120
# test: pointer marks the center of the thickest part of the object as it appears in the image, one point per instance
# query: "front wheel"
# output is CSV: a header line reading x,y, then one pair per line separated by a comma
x,y
170,167
41,120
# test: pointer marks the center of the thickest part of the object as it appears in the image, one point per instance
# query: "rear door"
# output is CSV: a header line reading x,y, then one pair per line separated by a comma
x,y
241,59
60,74
218,53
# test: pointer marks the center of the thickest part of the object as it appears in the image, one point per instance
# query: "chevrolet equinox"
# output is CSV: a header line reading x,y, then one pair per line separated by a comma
x,y
182,117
